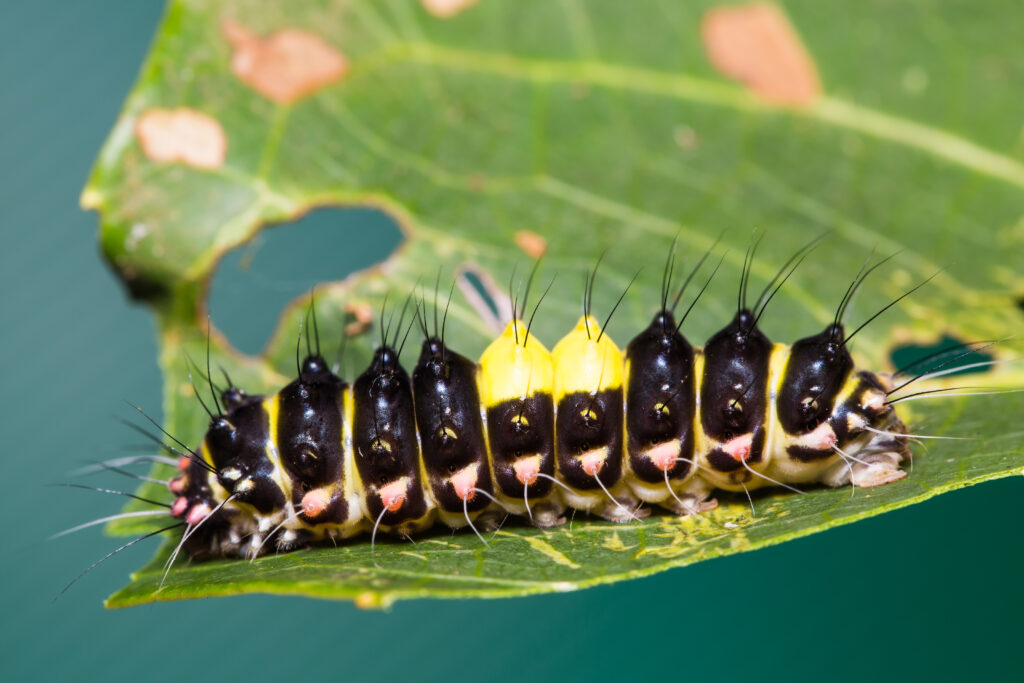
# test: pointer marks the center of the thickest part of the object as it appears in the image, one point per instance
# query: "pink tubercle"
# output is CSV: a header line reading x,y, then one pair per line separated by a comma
x,y
393,495
664,455
464,481
823,438
315,502
198,513
739,447
179,506
527,469
593,461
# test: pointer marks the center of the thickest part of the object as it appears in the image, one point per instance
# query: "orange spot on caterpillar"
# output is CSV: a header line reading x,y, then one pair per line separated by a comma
x,y
527,469
363,314
315,502
444,9
739,447
198,513
532,244
181,135
664,455
179,506
284,66
593,461
756,45
464,481
393,495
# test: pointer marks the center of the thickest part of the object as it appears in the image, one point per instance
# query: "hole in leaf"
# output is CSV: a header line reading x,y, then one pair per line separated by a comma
x,y
484,295
473,278
949,353
256,281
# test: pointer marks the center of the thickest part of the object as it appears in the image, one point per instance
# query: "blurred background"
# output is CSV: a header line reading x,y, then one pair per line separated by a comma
x,y
926,593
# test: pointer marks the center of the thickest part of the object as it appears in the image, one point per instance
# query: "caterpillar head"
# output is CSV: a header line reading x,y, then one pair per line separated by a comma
x,y
236,446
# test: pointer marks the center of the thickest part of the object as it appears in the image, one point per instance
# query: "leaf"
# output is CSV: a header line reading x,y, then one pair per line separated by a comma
x,y
590,126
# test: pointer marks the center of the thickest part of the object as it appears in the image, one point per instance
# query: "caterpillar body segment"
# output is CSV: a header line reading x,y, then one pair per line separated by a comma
x,y
589,421
307,419
452,437
660,410
817,378
387,448
517,383
734,402
531,432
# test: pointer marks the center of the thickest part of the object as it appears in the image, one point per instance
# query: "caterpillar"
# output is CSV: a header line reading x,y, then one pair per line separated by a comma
x,y
533,432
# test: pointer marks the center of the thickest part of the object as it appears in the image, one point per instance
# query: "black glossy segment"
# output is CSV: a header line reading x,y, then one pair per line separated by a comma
x,y
232,397
518,428
239,441
816,370
450,425
586,421
805,454
734,386
384,436
661,403
309,435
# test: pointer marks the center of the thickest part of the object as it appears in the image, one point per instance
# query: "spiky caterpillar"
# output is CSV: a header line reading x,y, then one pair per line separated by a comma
x,y
531,432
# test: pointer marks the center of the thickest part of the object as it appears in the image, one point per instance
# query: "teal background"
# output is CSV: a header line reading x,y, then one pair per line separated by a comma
x,y
927,593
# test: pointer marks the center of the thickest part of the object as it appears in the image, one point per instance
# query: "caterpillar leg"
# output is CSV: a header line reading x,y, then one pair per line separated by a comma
x,y
547,515
689,504
491,519
621,509
878,469
876,463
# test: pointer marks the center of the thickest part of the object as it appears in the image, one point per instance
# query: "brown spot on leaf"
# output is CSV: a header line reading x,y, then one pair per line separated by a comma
x,y
284,66
362,314
579,90
685,137
181,135
756,45
531,243
476,182
443,9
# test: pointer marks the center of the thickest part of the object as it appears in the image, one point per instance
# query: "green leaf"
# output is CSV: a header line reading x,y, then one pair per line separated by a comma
x,y
601,126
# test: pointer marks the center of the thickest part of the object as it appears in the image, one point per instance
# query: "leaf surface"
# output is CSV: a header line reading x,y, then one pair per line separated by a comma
x,y
598,126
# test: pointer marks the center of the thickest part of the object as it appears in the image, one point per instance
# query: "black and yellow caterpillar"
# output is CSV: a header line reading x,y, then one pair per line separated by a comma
x,y
533,432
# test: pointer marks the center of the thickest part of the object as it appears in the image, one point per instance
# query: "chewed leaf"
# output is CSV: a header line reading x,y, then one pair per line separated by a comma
x,y
605,128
